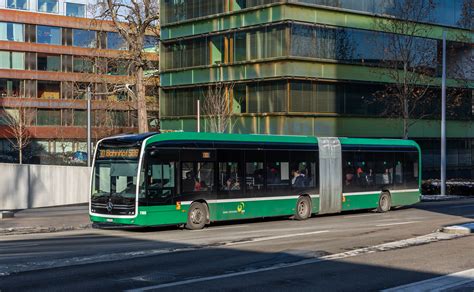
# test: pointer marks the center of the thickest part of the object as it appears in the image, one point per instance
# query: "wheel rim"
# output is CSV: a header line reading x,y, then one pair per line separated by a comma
x,y
384,203
302,208
196,216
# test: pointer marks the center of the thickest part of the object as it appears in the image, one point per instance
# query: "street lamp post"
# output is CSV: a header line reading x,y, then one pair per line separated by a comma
x,y
89,146
443,121
198,116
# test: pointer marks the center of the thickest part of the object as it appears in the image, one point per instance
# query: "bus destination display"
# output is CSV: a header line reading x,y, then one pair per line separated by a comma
x,y
119,153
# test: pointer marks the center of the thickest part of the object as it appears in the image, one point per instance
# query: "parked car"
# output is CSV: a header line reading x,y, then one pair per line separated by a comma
x,y
79,157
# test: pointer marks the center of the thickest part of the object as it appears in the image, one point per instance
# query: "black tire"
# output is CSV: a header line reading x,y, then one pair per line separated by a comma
x,y
197,216
385,203
303,208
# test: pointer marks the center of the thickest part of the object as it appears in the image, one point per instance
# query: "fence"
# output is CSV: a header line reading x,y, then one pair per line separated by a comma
x,y
33,186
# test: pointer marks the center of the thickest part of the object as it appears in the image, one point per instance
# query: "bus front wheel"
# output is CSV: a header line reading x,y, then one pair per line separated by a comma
x,y
385,203
197,216
303,208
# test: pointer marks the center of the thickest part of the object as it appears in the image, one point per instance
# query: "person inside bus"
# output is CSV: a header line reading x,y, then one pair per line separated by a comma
x,y
370,177
298,180
386,177
361,177
349,177
189,182
199,185
231,185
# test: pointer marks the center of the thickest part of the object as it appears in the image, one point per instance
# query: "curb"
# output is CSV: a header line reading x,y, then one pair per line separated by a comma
x,y
50,229
467,228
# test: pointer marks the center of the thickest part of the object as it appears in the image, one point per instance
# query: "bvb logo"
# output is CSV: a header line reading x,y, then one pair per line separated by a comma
x,y
241,207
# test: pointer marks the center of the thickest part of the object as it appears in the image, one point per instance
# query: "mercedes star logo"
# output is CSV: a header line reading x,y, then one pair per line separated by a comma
x,y
110,206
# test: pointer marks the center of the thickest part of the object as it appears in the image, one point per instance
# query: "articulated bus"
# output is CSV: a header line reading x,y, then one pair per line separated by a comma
x,y
193,179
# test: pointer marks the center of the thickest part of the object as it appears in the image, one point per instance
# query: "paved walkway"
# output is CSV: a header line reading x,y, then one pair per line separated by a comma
x,y
47,220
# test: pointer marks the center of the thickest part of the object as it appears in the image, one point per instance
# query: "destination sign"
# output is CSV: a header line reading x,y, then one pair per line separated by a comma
x,y
119,153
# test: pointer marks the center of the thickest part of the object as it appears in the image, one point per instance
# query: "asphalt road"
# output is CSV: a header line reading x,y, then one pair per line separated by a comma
x,y
351,251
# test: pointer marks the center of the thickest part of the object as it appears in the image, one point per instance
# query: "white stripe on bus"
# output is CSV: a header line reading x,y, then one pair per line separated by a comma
x,y
378,192
249,199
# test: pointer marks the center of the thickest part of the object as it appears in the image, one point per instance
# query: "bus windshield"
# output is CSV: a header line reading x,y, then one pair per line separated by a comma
x,y
115,178
114,181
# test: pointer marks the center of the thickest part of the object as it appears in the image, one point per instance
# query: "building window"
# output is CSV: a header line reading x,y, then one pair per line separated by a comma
x,y
47,62
48,35
115,41
83,65
17,4
117,67
76,10
10,88
150,42
267,97
50,6
12,60
48,117
49,89
12,32
84,38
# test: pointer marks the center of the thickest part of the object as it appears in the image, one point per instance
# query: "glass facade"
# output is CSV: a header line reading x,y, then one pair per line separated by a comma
x,y
75,9
179,10
310,97
17,4
12,32
457,13
48,35
84,38
460,158
306,41
50,6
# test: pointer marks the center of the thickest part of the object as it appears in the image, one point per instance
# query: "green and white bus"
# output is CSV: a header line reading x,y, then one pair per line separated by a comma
x,y
197,178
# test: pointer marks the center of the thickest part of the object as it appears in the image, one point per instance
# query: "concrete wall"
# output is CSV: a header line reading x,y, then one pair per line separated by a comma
x,y
33,186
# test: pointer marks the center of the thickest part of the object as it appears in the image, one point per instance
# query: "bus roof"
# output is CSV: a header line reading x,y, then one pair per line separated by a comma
x,y
194,136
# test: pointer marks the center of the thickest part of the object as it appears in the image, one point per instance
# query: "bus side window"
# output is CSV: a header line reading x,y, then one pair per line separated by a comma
x,y
304,170
278,171
160,182
229,177
197,177
254,172
230,170
411,171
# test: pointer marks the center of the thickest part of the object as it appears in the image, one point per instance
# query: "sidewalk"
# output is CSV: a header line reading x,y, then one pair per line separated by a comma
x,y
51,219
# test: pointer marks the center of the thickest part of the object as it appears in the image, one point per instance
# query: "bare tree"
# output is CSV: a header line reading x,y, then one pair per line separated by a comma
x,y
410,62
217,107
133,20
18,119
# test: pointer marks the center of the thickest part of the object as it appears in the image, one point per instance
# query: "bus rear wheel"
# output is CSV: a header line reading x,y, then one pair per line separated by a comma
x,y
303,208
385,203
197,216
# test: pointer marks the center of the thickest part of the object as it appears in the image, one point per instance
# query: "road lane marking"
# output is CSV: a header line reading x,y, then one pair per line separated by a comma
x,y
433,237
259,239
396,223
437,284
5,270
